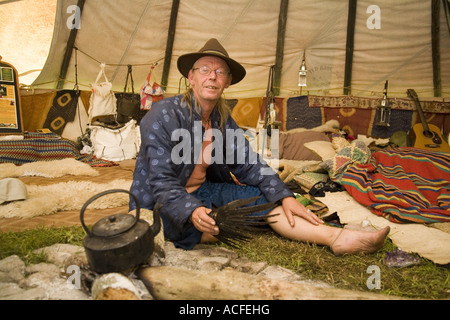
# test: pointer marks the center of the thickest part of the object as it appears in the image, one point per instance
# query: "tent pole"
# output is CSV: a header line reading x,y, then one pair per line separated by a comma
x,y
69,49
352,4
446,5
435,46
169,45
282,20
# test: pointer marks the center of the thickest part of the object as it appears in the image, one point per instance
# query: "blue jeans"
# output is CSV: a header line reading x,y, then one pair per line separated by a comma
x,y
218,194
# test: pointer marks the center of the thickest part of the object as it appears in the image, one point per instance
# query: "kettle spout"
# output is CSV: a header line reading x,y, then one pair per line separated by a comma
x,y
156,226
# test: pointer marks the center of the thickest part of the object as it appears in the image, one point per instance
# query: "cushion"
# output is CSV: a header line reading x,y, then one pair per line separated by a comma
x,y
292,145
324,149
356,152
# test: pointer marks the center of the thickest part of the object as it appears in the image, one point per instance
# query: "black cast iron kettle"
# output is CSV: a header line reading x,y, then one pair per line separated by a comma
x,y
121,241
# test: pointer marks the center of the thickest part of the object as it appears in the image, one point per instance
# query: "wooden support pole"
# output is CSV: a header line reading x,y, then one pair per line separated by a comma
x,y
446,5
282,21
352,4
169,45
69,49
435,47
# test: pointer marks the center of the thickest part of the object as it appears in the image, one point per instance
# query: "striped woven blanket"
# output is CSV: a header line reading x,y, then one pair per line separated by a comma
x,y
403,185
45,147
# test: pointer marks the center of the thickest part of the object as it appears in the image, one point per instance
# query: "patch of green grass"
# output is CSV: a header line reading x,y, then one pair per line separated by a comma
x,y
425,281
23,243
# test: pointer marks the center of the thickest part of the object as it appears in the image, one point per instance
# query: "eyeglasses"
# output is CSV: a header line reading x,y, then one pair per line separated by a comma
x,y
206,71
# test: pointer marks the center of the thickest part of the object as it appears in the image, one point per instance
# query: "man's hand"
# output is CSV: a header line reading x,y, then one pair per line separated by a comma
x,y
203,222
293,208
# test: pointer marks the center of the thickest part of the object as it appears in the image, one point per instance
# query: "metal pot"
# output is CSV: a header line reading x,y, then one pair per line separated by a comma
x,y
121,241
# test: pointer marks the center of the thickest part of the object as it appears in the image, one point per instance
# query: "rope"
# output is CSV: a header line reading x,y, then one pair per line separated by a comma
x,y
119,64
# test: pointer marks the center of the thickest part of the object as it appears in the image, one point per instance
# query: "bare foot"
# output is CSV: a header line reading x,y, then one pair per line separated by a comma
x,y
352,241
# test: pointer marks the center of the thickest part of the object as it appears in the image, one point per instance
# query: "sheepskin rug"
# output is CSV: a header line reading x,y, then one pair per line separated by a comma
x,y
64,196
48,169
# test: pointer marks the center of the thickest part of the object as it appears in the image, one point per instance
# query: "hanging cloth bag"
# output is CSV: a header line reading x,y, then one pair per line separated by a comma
x,y
127,103
150,92
103,102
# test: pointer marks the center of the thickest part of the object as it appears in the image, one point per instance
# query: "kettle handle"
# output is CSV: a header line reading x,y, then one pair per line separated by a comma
x,y
101,194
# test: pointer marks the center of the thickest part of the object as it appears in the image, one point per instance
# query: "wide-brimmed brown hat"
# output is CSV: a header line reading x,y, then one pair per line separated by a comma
x,y
211,48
